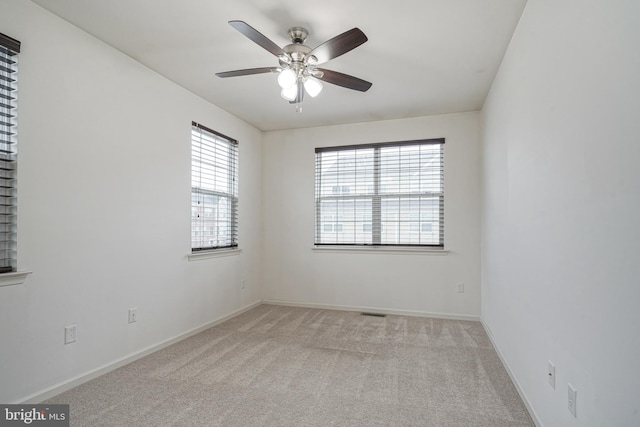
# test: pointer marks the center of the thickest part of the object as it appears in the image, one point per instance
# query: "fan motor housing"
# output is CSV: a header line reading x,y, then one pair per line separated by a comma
x,y
296,51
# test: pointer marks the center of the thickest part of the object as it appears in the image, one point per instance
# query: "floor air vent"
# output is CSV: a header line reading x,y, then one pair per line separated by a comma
x,y
373,314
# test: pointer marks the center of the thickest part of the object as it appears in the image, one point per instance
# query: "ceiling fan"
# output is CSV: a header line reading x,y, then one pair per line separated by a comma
x,y
298,64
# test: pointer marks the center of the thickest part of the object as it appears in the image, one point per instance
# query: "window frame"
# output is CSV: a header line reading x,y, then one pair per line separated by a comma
x,y
376,198
9,52
200,192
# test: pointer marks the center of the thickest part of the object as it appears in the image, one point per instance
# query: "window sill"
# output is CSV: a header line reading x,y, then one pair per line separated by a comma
x,y
15,278
380,250
213,254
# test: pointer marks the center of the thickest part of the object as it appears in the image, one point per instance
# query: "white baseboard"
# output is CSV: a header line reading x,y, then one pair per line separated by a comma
x,y
375,310
514,380
83,378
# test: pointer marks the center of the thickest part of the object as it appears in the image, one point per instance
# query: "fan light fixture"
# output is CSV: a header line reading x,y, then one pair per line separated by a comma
x,y
287,78
313,86
290,93
289,82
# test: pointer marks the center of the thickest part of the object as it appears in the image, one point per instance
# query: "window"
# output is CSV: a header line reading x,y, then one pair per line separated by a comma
x,y
389,194
214,190
9,49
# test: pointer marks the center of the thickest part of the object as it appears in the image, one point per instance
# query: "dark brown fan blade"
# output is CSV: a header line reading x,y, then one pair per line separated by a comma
x,y
344,80
257,37
339,45
248,72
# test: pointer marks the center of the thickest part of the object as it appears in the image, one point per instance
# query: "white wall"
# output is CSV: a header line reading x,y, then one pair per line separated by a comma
x,y
561,209
294,272
104,209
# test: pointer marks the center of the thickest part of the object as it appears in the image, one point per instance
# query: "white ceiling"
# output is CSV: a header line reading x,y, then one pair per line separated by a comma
x,y
423,57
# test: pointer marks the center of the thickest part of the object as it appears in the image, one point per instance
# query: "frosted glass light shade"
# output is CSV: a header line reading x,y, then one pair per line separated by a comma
x,y
313,86
287,78
290,93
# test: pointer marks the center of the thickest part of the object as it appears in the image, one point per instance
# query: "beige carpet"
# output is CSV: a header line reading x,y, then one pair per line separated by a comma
x,y
284,366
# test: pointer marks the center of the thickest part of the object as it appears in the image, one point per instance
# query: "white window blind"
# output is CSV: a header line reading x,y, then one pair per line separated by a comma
x,y
9,49
388,194
214,190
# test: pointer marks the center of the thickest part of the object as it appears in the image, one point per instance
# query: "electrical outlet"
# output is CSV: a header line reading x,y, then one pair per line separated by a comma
x,y
243,284
573,394
70,334
552,375
460,286
133,315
